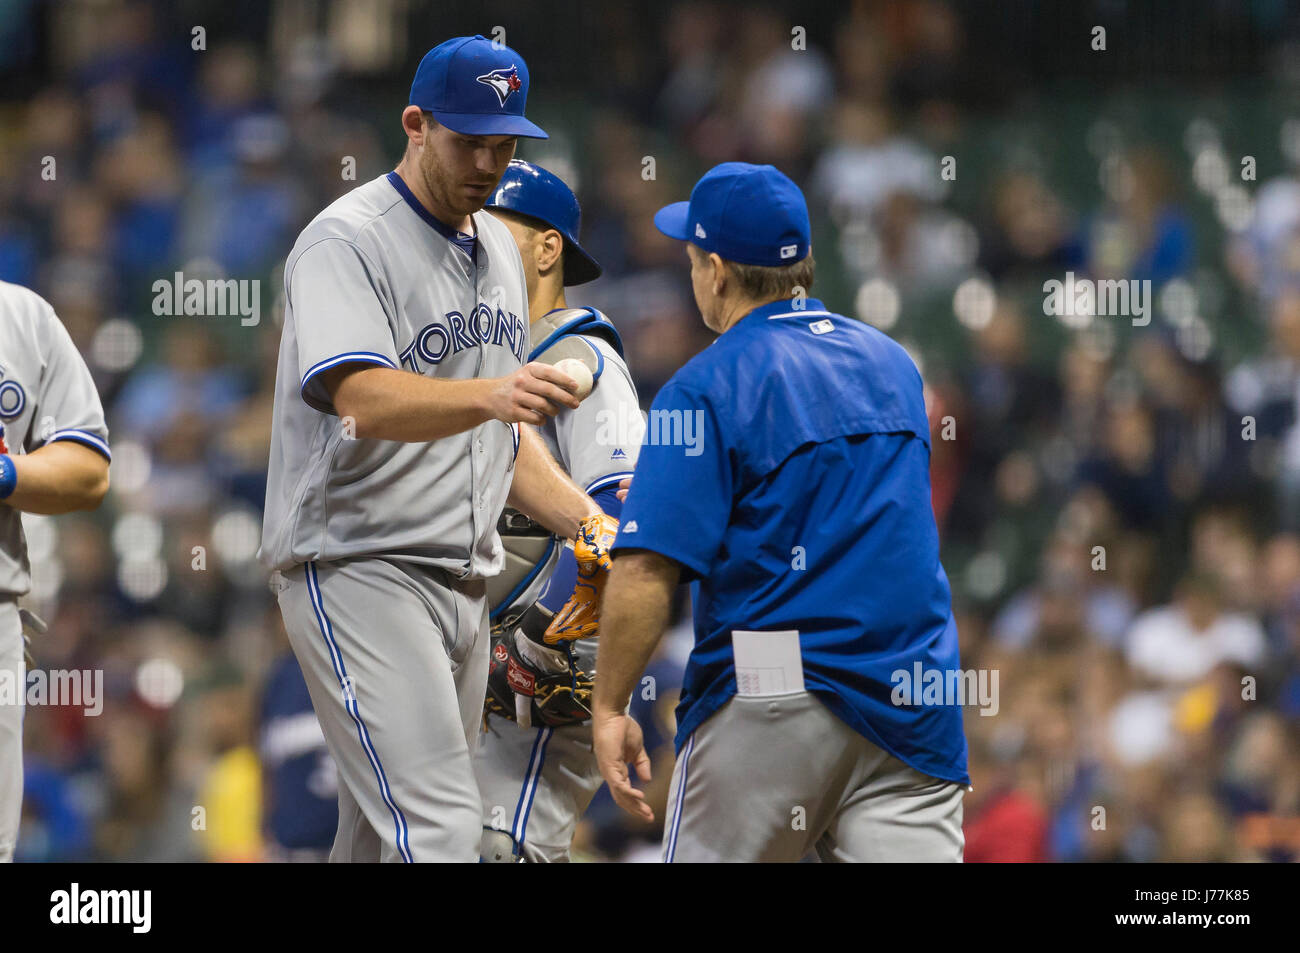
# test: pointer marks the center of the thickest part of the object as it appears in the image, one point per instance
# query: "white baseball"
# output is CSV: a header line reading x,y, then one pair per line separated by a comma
x,y
579,372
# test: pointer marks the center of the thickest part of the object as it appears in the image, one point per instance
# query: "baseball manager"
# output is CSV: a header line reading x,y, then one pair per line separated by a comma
x,y
801,514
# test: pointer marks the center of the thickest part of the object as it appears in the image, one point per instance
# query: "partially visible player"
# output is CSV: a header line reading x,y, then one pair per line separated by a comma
x,y
802,514
537,780
300,781
54,459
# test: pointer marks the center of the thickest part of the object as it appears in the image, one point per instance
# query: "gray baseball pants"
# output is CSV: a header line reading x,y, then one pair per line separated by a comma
x,y
770,778
395,656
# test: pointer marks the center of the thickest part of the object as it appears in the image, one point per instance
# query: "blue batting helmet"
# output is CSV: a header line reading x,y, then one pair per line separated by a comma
x,y
530,190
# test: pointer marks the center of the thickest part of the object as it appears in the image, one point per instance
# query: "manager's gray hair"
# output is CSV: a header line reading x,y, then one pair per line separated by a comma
x,y
766,283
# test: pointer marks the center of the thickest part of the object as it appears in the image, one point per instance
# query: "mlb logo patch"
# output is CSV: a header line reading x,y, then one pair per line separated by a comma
x,y
822,326
789,251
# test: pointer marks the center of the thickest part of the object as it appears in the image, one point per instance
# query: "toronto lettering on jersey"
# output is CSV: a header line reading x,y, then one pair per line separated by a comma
x,y
924,687
74,906
210,297
61,688
454,333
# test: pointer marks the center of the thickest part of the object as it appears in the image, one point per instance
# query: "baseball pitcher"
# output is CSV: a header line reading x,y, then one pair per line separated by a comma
x,y
54,459
800,509
400,432
537,773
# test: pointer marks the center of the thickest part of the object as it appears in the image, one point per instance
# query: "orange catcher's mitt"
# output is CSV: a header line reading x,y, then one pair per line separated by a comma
x,y
579,617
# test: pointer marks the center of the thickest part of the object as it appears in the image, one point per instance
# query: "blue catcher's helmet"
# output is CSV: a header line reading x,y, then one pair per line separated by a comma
x,y
530,190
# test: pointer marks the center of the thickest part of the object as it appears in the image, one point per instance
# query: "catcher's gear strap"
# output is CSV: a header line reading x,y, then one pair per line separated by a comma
x,y
529,563
513,523
567,322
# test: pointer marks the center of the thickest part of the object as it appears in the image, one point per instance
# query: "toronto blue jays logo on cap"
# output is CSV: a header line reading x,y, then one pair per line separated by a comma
x,y
503,82
450,81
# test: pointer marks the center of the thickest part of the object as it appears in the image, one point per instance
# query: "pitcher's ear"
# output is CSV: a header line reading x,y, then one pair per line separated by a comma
x,y
415,123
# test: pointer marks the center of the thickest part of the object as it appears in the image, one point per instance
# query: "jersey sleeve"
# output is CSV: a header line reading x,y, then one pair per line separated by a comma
x,y
338,300
679,504
67,405
598,442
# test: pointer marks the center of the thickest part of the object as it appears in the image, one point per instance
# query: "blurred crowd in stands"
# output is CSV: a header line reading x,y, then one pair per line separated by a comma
x,y
1119,500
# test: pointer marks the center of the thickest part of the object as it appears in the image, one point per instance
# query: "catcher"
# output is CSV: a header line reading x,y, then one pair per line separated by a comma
x,y
535,767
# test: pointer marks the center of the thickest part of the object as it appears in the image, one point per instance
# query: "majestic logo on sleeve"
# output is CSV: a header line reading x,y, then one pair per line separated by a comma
x,y
503,82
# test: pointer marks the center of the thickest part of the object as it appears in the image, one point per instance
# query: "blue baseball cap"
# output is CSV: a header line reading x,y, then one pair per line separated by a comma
x,y
752,214
475,87
530,190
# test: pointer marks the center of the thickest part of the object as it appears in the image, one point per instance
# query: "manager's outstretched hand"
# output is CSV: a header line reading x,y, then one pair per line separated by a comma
x,y
617,740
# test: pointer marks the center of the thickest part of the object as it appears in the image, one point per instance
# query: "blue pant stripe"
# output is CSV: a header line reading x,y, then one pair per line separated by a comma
x,y
532,777
537,780
681,798
523,790
353,709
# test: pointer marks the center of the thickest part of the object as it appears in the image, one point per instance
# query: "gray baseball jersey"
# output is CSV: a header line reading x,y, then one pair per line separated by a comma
x,y
537,782
375,279
381,546
46,394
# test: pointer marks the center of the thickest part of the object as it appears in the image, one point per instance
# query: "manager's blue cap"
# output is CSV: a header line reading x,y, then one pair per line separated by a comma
x,y
538,193
475,87
752,214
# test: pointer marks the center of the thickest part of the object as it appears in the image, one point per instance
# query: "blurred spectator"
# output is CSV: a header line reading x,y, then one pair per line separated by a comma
x,y
866,162
1267,255
1003,824
1143,232
1028,233
1182,642
230,791
242,215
